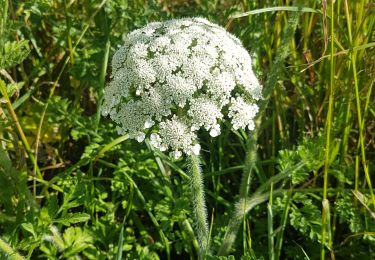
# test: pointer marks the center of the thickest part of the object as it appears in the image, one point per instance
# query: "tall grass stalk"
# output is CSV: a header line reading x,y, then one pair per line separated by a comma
x,y
68,27
142,199
280,234
3,91
271,237
103,70
329,122
242,206
361,120
13,115
127,212
55,84
3,22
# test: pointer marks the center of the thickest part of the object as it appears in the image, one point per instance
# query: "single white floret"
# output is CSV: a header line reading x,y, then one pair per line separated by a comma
x,y
242,113
204,112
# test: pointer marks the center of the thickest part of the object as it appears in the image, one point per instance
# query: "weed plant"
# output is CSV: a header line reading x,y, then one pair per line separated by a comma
x,y
298,187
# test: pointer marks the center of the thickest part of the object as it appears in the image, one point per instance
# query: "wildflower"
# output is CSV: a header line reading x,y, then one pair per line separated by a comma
x,y
170,79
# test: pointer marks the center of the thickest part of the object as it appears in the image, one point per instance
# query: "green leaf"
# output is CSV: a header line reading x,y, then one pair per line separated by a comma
x,y
348,212
73,218
29,228
305,216
13,88
14,53
53,206
76,240
74,194
210,257
120,242
276,8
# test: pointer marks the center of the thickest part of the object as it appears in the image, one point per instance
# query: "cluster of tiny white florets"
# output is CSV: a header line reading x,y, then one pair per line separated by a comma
x,y
172,78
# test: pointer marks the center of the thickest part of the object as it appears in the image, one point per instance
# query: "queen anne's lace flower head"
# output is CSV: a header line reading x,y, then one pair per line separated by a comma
x,y
172,78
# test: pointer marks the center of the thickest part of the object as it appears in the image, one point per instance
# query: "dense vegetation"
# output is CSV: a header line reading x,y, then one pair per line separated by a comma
x,y
71,188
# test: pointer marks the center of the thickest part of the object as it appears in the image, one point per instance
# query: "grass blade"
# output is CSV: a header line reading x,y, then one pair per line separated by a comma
x,y
276,8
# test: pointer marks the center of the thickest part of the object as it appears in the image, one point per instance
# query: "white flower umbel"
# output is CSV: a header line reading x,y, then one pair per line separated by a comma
x,y
189,71
171,79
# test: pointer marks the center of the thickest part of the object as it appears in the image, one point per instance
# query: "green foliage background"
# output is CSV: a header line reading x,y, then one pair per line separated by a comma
x,y
70,189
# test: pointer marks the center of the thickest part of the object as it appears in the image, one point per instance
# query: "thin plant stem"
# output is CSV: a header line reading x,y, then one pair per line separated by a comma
x,y
361,120
328,137
190,232
103,70
276,8
109,146
127,212
198,204
251,152
21,134
150,214
271,239
41,121
280,234
240,210
68,27
3,22
244,205
141,199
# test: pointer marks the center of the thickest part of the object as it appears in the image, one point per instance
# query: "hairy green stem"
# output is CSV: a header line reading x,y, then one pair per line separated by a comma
x,y
240,209
198,204
243,206
9,251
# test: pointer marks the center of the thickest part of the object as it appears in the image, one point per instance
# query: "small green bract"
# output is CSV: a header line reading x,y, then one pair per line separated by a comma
x,y
172,78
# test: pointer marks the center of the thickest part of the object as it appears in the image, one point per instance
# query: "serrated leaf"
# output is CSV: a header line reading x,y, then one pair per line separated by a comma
x,y
76,240
306,217
349,213
14,53
74,196
13,88
73,218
